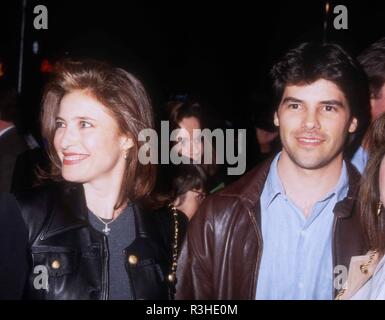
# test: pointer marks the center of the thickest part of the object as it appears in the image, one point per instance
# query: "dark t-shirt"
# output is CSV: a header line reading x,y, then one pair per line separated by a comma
x,y
121,235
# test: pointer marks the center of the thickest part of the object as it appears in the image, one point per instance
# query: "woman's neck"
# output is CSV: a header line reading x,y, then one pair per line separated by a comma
x,y
101,200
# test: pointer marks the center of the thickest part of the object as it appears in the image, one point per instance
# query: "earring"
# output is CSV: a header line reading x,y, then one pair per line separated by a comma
x,y
379,208
125,155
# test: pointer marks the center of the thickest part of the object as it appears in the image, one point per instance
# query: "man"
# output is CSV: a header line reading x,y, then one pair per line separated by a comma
x,y
373,62
11,143
287,228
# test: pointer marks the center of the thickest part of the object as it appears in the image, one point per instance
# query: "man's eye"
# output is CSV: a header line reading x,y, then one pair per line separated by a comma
x,y
329,108
85,124
294,106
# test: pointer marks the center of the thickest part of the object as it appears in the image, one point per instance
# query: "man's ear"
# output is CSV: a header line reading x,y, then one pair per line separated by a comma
x,y
276,120
353,125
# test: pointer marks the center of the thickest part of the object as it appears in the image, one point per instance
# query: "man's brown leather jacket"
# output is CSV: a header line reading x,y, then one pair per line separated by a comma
x,y
221,255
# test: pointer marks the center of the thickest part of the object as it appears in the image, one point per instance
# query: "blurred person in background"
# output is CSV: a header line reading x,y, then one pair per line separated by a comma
x,y
373,62
12,144
190,115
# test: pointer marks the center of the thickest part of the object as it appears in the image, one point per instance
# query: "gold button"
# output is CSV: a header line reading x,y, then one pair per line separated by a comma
x,y
55,264
132,259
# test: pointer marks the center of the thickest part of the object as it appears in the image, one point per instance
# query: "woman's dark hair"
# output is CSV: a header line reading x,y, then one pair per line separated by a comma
x,y
310,62
369,197
376,134
177,111
175,180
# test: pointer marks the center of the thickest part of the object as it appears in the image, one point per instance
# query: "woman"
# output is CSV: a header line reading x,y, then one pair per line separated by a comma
x,y
88,236
190,116
366,278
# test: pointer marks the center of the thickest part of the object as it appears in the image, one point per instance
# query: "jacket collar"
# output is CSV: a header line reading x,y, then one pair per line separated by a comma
x,y
344,208
70,212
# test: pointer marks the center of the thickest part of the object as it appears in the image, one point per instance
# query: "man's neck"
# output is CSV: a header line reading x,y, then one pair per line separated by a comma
x,y
304,186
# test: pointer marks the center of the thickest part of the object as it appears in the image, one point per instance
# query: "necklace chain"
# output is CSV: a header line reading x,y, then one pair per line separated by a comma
x,y
107,229
172,275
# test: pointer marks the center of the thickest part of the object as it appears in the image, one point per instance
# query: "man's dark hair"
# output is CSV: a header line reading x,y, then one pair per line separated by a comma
x,y
310,62
373,62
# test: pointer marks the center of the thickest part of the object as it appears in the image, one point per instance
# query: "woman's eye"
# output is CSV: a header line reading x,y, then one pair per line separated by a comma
x,y
85,124
59,124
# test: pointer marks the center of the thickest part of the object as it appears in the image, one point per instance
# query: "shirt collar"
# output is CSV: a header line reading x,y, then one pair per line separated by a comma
x,y
274,186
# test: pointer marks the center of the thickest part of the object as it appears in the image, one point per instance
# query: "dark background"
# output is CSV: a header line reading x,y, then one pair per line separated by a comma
x,y
219,51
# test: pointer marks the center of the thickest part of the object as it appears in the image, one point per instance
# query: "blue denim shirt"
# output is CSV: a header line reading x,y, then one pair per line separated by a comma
x,y
297,251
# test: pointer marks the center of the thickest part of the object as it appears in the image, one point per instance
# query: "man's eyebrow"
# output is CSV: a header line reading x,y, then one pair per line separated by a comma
x,y
333,103
291,99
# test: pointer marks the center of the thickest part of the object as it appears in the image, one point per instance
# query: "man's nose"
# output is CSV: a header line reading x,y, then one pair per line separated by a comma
x,y
311,120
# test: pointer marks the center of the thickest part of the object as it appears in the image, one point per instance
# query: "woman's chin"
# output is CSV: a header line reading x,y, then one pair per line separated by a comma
x,y
72,177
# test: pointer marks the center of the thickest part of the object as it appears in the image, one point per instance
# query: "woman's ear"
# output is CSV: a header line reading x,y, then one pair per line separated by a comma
x,y
127,143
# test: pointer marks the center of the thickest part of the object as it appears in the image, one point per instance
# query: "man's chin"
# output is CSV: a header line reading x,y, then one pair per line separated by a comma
x,y
309,162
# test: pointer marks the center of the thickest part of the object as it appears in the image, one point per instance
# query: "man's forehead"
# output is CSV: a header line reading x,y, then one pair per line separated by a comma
x,y
318,90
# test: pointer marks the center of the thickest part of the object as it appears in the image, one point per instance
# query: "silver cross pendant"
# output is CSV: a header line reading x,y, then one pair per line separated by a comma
x,y
106,230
